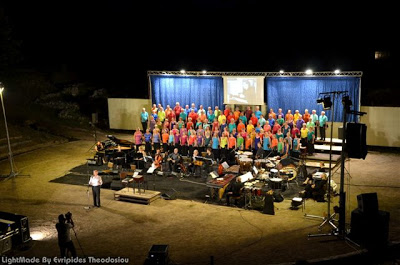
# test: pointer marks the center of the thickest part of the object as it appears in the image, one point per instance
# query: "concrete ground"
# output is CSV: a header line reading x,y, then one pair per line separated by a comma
x,y
194,231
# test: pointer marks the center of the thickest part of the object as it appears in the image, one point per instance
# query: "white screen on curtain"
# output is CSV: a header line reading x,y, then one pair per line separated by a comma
x,y
244,90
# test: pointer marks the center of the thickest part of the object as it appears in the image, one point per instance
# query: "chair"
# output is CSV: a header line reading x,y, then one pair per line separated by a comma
x,y
110,167
123,175
140,182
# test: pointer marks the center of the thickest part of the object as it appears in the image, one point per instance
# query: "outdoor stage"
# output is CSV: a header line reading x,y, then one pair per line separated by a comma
x,y
194,230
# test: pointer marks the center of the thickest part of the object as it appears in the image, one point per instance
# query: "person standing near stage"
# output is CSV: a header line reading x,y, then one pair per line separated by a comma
x,y
138,138
65,243
161,114
144,118
177,110
257,112
96,182
248,113
322,124
315,120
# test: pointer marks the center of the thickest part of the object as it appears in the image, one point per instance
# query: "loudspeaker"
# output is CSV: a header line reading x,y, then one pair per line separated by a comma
x,y
20,222
370,230
169,196
368,203
5,245
158,254
356,140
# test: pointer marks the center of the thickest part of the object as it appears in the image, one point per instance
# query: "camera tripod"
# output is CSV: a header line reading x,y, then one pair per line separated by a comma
x,y
326,220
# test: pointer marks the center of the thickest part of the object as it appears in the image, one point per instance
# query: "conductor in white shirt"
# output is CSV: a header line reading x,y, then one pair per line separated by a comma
x,y
96,182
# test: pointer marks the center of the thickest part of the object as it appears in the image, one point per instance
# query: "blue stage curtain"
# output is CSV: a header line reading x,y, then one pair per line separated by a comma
x,y
202,90
300,93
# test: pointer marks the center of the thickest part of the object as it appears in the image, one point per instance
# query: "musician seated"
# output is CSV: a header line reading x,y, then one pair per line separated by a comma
x,y
316,190
195,164
158,160
100,151
99,146
320,169
174,160
234,190
139,158
209,160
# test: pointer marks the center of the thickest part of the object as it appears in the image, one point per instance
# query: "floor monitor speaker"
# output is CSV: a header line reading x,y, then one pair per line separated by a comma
x,y
368,203
21,222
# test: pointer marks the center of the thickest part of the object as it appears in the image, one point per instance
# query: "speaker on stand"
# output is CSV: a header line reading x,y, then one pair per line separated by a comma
x,y
356,140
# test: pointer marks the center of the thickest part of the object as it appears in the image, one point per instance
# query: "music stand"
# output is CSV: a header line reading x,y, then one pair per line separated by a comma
x,y
88,207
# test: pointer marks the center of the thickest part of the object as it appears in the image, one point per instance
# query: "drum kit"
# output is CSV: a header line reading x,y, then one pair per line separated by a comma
x,y
254,188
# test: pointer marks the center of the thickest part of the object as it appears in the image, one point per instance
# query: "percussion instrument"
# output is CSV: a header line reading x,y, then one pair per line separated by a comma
x,y
318,175
239,157
247,153
264,176
257,191
303,150
198,163
274,172
260,163
270,165
276,183
245,164
291,173
296,202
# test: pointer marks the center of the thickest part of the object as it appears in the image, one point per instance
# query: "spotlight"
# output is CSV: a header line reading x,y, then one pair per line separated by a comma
x,y
204,72
337,71
281,71
309,72
326,102
347,102
183,71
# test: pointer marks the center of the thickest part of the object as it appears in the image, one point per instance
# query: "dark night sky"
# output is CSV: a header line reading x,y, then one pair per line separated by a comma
x,y
114,43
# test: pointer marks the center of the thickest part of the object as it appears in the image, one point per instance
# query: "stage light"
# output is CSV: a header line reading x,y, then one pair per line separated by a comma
x,y
281,71
337,71
326,102
13,173
204,72
37,235
183,71
346,101
309,72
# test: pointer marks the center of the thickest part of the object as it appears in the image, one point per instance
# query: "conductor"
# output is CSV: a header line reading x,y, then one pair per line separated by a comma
x,y
96,182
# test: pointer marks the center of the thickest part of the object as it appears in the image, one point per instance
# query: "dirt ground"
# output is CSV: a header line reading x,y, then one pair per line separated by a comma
x,y
194,231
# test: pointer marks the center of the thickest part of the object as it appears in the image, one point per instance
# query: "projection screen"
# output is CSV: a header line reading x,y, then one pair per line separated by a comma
x,y
244,90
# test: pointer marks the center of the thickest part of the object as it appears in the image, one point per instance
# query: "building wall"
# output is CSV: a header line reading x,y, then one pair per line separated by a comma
x,y
383,125
124,113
